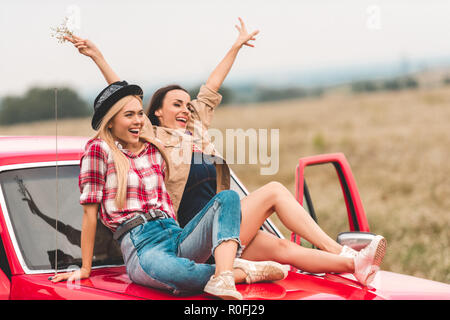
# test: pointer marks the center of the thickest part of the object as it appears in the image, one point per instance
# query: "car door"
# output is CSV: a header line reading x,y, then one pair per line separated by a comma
x,y
345,216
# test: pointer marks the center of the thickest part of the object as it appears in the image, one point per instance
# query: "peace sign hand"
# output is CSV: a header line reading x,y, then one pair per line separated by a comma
x,y
244,37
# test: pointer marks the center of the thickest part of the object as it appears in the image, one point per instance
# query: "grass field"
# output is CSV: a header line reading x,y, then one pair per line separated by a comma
x,y
396,143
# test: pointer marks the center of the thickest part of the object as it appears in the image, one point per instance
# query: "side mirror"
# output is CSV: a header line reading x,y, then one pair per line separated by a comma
x,y
5,286
355,240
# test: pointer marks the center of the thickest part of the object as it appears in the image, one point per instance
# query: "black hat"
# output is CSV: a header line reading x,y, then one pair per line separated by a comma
x,y
109,96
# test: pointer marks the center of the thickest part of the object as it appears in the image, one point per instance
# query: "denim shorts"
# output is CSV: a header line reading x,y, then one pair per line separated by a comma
x,y
162,255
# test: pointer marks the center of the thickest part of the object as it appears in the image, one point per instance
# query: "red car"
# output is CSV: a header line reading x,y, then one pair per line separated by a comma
x,y
40,227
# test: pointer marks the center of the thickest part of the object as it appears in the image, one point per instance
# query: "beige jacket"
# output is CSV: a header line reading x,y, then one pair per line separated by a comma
x,y
176,146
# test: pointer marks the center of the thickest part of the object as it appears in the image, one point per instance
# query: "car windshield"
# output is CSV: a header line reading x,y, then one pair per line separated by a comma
x,y
30,197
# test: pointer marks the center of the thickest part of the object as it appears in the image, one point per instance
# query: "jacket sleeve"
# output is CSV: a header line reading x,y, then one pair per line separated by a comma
x,y
202,108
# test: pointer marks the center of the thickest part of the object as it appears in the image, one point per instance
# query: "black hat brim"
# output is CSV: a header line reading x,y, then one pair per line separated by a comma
x,y
100,112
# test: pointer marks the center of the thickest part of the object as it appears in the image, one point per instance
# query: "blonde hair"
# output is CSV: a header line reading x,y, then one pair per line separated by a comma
x,y
121,162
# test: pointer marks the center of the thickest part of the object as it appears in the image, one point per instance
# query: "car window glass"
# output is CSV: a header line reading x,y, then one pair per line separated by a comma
x,y
235,186
30,196
327,198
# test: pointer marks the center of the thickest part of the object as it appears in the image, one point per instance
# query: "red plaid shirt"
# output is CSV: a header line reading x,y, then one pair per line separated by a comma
x,y
145,190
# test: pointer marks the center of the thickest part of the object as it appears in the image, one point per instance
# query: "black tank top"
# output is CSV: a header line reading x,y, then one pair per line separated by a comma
x,y
200,187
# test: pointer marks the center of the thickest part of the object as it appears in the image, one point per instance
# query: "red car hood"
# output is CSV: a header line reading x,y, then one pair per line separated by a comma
x,y
387,285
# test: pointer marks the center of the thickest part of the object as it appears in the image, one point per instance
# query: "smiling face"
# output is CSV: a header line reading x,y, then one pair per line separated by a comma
x,y
174,112
126,126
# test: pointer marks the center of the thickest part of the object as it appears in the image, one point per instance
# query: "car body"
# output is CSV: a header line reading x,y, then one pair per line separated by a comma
x,y
40,223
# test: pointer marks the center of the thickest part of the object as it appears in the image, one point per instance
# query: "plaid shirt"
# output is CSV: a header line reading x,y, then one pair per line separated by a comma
x,y
145,190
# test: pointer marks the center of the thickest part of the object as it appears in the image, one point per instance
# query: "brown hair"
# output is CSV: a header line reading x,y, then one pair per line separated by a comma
x,y
157,101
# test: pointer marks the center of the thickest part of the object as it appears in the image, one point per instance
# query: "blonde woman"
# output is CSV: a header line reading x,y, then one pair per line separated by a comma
x,y
122,176
200,173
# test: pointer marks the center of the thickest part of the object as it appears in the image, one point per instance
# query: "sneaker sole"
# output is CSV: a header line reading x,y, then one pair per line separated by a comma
x,y
371,275
379,252
376,262
224,294
378,258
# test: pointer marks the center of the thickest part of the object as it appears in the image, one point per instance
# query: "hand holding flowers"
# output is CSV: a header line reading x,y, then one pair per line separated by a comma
x,y
62,31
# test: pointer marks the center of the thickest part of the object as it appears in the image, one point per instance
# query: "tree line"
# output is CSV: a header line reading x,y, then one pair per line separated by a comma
x,y
394,84
39,104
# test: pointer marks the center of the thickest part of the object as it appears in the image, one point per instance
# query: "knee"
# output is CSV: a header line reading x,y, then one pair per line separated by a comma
x,y
282,249
275,188
229,197
283,245
229,202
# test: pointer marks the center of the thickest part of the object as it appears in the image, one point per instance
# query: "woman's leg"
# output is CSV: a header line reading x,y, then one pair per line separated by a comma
x,y
274,197
215,230
150,259
266,246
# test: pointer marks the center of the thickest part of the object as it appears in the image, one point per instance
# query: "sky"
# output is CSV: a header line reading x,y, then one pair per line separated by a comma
x,y
154,43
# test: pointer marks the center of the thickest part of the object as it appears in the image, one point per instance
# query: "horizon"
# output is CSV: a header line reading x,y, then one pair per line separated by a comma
x,y
323,78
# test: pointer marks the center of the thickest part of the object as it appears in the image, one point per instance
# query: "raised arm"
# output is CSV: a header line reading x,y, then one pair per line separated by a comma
x,y
87,48
219,74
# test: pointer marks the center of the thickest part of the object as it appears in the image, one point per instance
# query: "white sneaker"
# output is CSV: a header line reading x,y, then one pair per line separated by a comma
x,y
261,271
368,260
223,286
348,252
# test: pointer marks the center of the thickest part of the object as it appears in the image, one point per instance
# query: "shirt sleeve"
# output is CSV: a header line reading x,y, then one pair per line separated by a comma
x,y
92,176
202,108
